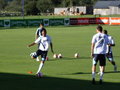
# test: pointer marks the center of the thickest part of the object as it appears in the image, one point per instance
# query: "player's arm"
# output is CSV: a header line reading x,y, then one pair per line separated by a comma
x,y
93,45
32,44
92,49
51,45
112,44
36,41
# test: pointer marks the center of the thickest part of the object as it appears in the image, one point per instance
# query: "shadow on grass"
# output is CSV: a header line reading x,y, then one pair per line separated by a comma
x,y
9,81
71,58
112,72
106,72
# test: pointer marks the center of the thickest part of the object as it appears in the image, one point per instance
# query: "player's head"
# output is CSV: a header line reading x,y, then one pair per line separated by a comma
x,y
43,32
41,24
105,32
99,28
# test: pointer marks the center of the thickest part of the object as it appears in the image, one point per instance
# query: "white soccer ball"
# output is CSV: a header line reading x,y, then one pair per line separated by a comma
x,y
55,56
33,54
59,55
76,55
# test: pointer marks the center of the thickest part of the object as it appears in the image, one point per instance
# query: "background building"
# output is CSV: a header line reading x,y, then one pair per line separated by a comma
x,y
75,10
107,8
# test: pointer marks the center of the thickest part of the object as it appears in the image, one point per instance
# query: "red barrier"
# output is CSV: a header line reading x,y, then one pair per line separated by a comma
x,y
87,21
114,21
79,21
102,20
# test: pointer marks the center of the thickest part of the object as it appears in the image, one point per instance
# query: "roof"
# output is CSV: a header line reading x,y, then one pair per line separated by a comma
x,y
106,4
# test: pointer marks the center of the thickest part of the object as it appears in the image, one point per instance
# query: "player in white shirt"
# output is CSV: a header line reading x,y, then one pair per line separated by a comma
x,y
109,49
98,52
38,34
45,42
38,31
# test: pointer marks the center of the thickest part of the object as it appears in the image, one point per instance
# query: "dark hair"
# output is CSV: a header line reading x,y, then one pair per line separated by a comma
x,y
42,24
99,28
105,32
43,29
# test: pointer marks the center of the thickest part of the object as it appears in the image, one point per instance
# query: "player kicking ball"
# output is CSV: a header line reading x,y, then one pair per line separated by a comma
x,y
45,41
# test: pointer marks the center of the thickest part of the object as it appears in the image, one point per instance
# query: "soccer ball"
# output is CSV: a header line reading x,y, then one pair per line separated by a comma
x,y
40,75
59,55
55,56
76,55
33,55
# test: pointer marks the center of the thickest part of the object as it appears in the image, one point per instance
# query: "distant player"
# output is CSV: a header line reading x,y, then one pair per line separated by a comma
x,y
45,42
38,31
109,53
98,52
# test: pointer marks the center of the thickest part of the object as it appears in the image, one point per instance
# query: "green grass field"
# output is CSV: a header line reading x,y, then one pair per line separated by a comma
x,y
67,73
53,16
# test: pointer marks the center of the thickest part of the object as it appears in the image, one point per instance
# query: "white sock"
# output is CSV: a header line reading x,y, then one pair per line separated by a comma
x,y
101,75
37,59
40,67
93,74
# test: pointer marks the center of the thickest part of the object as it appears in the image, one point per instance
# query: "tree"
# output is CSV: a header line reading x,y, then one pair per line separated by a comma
x,y
44,5
14,6
56,3
2,4
30,7
67,3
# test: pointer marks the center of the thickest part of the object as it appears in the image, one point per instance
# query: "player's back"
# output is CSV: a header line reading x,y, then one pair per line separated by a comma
x,y
100,40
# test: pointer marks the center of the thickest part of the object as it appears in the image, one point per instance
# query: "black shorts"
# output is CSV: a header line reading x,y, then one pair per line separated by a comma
x,y
42,53
101,58
110,57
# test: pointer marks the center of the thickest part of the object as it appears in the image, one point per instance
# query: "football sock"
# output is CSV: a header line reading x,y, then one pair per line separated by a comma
x,y
115,68
40,67
115,65
93,74
37,59
101,75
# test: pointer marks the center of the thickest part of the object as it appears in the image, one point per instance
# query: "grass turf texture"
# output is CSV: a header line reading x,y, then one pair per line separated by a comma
x,y
59,74
53,16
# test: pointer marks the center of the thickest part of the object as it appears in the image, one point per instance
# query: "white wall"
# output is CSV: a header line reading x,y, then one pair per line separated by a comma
x,y
101,11
114,10
58,10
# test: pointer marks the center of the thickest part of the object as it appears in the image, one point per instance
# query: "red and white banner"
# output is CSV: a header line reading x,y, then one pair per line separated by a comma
x,y
114,20
79,21
87,21
102,20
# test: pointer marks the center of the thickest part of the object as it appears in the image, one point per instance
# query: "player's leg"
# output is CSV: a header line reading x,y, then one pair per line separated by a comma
x,y
37,58
43,57
95,60
102,60
111,60
34,55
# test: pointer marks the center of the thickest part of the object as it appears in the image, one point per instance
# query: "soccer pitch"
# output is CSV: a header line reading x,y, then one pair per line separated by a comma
x,y
67,73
